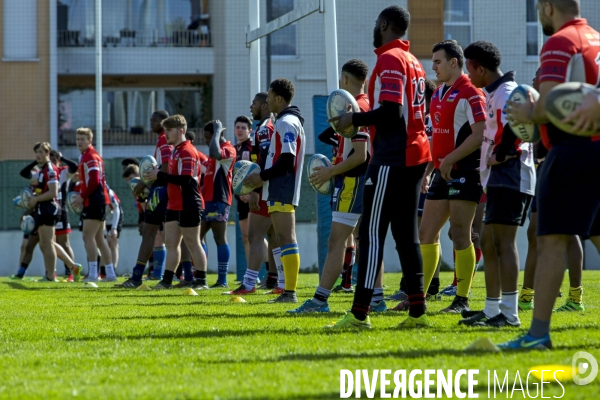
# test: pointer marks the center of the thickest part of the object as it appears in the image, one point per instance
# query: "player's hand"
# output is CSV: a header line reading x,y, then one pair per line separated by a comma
x,y
446,168
113,233
77,201
344,121
253,180
474,235
32,203
253,201
245,198
587,115
148,175
520,113
493,161
425,184
321,175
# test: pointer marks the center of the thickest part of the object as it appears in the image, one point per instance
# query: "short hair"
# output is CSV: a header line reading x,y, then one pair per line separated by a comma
x,y
262,96
284,88
42,145
485,54
398,17
357,68
190,135
54,153
208,127
85,132
452,49
565,6
429,88
130,160
161,113
131,169
175,121
245,120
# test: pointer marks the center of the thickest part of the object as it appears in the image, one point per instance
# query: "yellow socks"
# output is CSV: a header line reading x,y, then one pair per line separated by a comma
x,y
526,294
576,294
464,265
431,257
290,259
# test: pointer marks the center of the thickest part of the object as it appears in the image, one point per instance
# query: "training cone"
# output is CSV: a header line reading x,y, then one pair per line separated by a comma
x,y
563,373
190,292
63,281
483,344
143,286
237,299
90,285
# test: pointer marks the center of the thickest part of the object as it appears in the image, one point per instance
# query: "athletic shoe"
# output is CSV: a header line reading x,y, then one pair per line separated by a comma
x,y
101,277
183,284
412,322
151,278
285,297
350,322
456,307
16,277
110,279
398,296
450,290
70,278
241,291
469,313
267,285
525,305
77,272
404,305
527,342
379,307
499,321
162,286
276,291
473,319
570,306
197,284
219,285
310,306
89,279
433,297
342,289
129,284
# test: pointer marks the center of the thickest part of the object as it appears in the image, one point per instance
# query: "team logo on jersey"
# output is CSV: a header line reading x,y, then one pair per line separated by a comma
x,y
289,137
368,182
437,117
453,96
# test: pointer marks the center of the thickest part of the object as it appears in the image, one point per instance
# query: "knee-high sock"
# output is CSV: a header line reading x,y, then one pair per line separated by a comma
x,y
349,260
290,258
160,254
431,257
279,267
223,254
188,270
465,265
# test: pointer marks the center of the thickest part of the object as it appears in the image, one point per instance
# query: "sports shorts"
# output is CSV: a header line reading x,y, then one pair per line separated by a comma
x,y
264,208
277,206
215,211
97,212
156,207
63,227
346,203
242,209
465,185
184,218
46,214
422,198
506,206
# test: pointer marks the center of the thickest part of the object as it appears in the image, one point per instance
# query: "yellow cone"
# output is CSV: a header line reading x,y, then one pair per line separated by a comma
x,y
143,286
564,373
190,292
237,299
91,285
63,281
483,344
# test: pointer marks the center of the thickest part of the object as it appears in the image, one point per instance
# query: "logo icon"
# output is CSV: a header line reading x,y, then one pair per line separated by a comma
x,y
289,137
462,180
580,368
369,182
437,117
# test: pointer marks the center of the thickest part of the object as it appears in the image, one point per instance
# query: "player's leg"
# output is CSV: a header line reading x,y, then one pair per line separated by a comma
x,y
274,250
46,234
62,239
219,228
173,238
283,217
435,214
106,254
89,229
27,247
186,266
244,224
575,265
527,292
159,253
190,224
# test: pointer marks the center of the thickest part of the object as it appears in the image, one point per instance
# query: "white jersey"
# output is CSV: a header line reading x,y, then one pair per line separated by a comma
x,y
114,208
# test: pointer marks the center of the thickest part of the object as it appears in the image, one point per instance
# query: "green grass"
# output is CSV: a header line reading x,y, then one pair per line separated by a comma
x,y
63,341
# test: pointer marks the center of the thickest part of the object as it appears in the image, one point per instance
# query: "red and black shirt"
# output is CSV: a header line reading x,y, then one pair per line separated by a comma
x,y
182,178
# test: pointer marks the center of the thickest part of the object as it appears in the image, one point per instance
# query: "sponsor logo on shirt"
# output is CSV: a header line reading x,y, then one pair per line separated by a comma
x,y
369,182
289,137
437,117
452,96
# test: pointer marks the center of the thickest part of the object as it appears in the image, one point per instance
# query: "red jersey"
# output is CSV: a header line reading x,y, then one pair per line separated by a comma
x,y
93,188
453,110
344,148
571,54
398,77
163,150
203,159
48,175
184,162
218,175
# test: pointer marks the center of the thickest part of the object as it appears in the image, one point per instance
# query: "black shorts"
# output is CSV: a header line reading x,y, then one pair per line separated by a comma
x,y
46,220
568,190
185,218
506,206
465,185
156,206
62,226
119,228
97,212
242,209
422,198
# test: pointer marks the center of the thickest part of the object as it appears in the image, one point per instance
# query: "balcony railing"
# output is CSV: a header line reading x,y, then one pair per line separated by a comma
x,y
120,137
133,38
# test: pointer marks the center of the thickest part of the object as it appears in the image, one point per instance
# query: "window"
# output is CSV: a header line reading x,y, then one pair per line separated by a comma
x,y
283,41
457,21
20,30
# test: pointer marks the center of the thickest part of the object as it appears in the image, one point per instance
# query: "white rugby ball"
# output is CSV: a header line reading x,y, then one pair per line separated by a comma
x,y
525,132
562,100
28,224
17,202
240,164
238,179
319,160
74,209
148,163
341,102
133,183
26,195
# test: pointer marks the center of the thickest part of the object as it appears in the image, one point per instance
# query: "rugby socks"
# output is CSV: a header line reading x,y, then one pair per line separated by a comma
x,y
279,267
271,276
110,270
416,305
349,259
200,277
509,306
539,328
250,279
527,294
102,270
160,254
431,257
290,259
377,296
478,255
168,277
67,270
93,269
465,264
179,272
223,254
321,295
576,294
403,284
22,270
492,306
434,286
138,271
188,271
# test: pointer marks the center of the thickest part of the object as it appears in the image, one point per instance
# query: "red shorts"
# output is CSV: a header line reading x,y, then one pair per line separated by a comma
x,y
483,198
264,209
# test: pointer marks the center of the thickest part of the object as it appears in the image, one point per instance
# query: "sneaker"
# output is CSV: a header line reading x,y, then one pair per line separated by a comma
x,y
267,285
398,296
130,284
241,291
110,279
379,307
342,289
101,277
350,322
183,284
197,284
570,306
499,321
527,342
219,285
310,306
151,278
412,322
162,286
525,305
16,277
456,307
285,297
70,278
477,319
433,297
276,291
450,290
77,272
90,279
469,313
404,305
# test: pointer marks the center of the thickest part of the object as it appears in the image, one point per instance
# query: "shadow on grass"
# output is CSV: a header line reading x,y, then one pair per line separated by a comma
x,y
275,314
332,395
42,286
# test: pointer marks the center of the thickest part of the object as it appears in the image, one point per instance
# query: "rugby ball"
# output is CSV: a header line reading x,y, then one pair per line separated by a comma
x,y
28,224
562,100
240,164
319,160
26,195
17,202
35,175
148,163
525,132
133,183
341,102
238,179
74,209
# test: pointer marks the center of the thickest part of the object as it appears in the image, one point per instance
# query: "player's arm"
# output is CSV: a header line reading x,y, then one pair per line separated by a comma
x,y
26,172
329,137
94,178
51,193
72,165
358,157
214,148
116,214
188,171
471,143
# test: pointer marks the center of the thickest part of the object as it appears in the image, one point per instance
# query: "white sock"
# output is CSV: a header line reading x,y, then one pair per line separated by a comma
x,y
110,271
250,279
93,269
509,306
492,307
279,266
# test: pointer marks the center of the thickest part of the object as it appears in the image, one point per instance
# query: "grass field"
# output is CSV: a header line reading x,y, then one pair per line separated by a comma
x,y
64,341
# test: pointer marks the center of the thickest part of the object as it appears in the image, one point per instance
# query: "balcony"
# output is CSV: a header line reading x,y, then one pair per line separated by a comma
x,y
120,137
133,38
